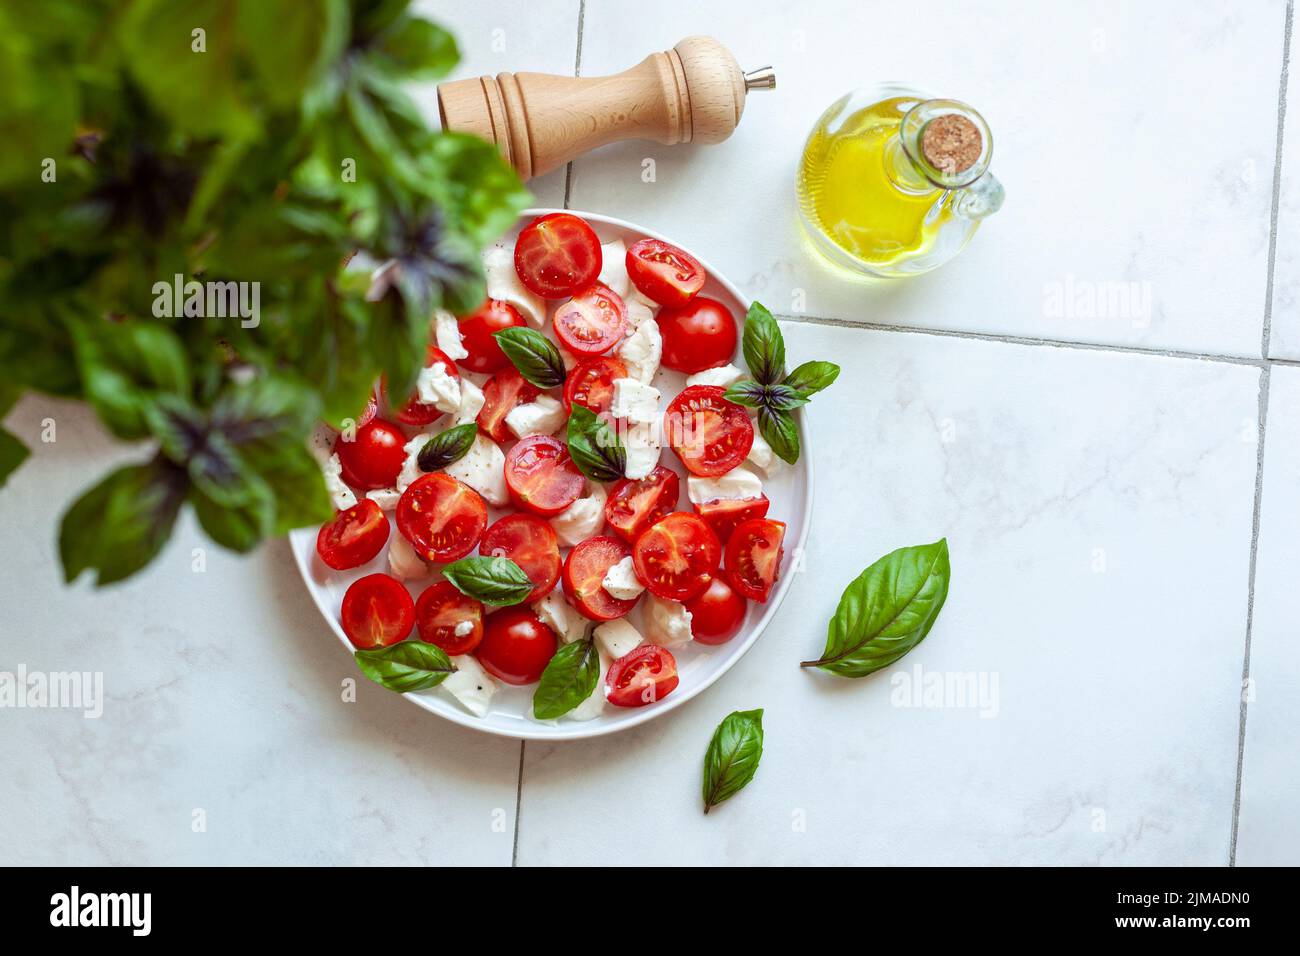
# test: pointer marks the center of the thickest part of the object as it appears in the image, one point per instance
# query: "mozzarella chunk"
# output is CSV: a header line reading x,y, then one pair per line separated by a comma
x,y
471,402
542,416
438,387
634,401
582,519
641,442
340,493
613,266
621,582
403,560
555,612
503,283
470,685
462,628
740,482
666,622
446,330
386,498
724,377
761,454
617,637
411,467
642,351
640,307
484,469
321,442
595,704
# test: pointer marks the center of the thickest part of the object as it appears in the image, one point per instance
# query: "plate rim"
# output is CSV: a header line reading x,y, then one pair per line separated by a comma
x,y
582,730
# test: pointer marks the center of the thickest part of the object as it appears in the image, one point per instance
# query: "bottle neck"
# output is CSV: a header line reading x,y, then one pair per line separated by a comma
x,y
944,143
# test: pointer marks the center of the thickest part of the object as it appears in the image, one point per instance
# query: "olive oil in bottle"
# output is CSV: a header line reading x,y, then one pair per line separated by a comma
x,y
893,183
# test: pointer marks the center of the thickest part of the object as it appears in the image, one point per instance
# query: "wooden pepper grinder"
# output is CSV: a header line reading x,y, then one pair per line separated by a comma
x,y
693,93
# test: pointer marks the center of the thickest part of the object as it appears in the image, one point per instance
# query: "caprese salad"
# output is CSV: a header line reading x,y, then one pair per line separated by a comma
x,y
532,505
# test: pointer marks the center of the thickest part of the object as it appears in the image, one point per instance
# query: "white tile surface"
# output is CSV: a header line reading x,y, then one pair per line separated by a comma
x,y
1284,338
1136,143
1117,688
540,36
1270,782
223,694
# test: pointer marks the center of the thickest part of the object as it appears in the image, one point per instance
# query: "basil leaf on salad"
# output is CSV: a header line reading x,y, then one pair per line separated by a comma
x,y
776,399
811,377
536,356
763,345
447,446
746,392
783,398
496,581
569,679
733,756
406,666
594,446
886,611
780,430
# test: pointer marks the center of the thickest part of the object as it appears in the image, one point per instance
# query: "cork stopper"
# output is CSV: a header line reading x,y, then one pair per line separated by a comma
x,y
951,143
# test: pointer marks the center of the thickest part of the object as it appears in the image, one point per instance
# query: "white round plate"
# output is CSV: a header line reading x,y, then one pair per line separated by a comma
x,y
789,489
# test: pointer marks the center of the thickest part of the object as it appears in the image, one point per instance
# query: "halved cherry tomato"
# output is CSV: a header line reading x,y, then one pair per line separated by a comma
x,y
723,514
556,255
440,610
530,543
503,391
377,611
516,645
663,272
417,412
754,557
717,613
374,456
709,434
591,383
592,322
541,477
353,537
641,677
677,556
441,517
635,504
584,576
476,333
698,335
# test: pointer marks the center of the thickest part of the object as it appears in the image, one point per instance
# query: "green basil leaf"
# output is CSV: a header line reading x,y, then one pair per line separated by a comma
x,y
242,525
297,486
886,611
12,454
763,345
406,666
781,432
120,525
447,447
783,398
418,49
536,356
594,447
495,581
569,679
124,366
746,392
811,377
733,756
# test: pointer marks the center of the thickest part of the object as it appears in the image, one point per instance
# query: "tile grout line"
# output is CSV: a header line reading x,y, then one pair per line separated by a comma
x,y
1035,341
1264,382
568,191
